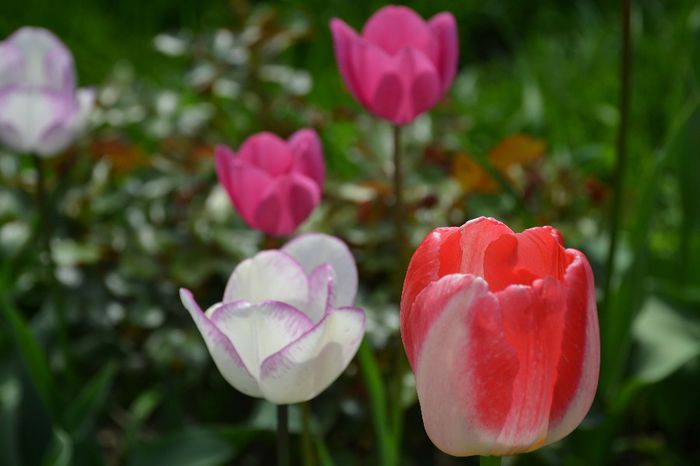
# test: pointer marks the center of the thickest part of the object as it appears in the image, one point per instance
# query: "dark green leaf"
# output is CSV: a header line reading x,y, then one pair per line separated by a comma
x,y
31,353
61,452
80,415
193,447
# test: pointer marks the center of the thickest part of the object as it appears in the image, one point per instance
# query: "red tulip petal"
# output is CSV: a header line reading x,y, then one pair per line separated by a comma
x,y
423,269
427,308
577,371
533,324
541,252
521,258
476,235
465,371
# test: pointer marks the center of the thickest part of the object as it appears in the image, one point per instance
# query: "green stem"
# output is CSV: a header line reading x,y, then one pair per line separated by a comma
x,y
396,399
377,401
46,234
306,444
490,461
399,364
621,163
282,436
398,201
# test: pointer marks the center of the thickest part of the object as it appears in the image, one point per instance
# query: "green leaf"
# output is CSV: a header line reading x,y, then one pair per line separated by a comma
x,y
631,293
10,396
192,447
377,400
79,417
61,452
31,353
666,340
139,411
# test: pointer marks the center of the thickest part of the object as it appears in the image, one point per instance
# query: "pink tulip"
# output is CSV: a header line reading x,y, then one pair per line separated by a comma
x,y
273,184
401,65
501,331
41,111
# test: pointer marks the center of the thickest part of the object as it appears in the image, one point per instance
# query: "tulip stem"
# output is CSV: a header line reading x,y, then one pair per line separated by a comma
x,y
490,461
400,366
621,162
282,436
46,232
398,200
306,444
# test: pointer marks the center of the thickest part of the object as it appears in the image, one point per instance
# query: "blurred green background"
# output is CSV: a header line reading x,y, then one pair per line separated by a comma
x,y
526,134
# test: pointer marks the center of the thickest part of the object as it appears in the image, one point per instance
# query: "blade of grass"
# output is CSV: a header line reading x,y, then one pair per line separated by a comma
x,y
31,353
377,400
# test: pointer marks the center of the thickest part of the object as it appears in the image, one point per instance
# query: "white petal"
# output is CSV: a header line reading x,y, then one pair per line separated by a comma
x,y
269,276
46,63
259,330
314,249
224,353
309,365
10,65
442,385
320,292
68,125
29,114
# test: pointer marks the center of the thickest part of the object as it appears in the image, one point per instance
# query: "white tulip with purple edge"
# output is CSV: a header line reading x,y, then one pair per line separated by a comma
x,y
41,111
286,328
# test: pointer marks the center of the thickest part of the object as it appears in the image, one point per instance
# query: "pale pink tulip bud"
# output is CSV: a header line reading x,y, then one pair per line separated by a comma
x,y
41,111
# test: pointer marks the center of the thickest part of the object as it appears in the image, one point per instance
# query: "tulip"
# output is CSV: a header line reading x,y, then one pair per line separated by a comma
x,y
501,332
273,184
401,65
286,328
41,112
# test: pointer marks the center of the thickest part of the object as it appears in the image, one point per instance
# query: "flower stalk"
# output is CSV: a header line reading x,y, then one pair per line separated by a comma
x,y
490,461
282,435
46,232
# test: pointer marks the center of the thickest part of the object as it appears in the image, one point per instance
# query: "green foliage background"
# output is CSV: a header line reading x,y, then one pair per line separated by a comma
x,y
138,214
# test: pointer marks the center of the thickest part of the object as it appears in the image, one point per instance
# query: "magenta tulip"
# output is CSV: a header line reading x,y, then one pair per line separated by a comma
x,y
41,111
401,65
273,184
501,331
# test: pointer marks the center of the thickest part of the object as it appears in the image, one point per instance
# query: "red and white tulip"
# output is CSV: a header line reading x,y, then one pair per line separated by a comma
x,y
501,331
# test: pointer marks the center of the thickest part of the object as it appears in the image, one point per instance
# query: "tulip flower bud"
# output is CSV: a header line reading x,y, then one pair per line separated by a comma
x,y
41,111
274,184
401,65
286,328
501,331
